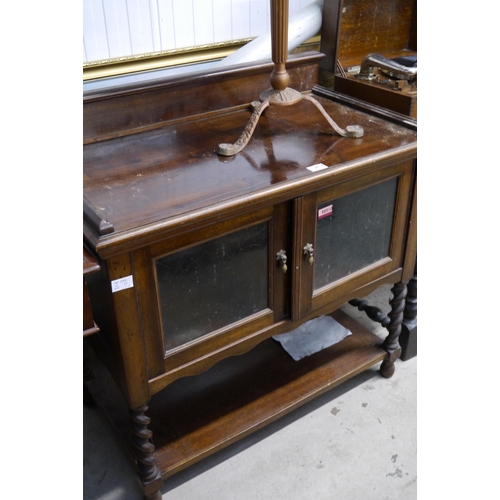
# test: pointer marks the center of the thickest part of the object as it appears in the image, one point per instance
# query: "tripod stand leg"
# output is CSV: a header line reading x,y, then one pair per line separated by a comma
x,y
226,149
354,131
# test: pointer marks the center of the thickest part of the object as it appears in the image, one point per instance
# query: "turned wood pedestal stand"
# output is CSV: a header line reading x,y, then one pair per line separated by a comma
x,y
280,94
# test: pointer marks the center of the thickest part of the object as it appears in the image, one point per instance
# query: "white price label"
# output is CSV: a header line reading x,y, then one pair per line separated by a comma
x,y
317,167
122,284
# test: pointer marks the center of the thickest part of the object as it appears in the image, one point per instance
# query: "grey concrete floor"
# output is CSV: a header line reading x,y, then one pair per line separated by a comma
x,y
357,441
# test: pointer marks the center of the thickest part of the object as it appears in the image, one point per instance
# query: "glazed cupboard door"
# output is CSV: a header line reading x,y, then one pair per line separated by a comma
x,y
352,234
205,290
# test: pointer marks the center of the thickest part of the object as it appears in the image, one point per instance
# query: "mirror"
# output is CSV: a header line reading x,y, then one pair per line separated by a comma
x,y
122,37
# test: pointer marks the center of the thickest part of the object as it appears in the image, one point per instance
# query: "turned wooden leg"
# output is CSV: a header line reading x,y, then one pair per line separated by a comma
x,y
408,338
410,313
148,472
374,313
391,342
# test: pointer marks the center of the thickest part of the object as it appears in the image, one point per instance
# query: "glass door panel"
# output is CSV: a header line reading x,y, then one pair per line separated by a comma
x,y
211,285
353,231
352,235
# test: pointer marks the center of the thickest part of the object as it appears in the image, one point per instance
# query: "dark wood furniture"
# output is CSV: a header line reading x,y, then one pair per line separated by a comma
x,y
192,284
90,266
353,29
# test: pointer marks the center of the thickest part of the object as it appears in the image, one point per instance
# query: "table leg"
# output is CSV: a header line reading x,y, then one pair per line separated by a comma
x,y
391,342
408,339
148,472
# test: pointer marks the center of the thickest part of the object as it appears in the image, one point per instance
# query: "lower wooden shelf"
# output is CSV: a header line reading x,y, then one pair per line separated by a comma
x,y
197,416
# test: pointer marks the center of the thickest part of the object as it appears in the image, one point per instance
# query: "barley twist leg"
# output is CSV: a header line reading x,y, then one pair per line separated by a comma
x,y
391,342
148,472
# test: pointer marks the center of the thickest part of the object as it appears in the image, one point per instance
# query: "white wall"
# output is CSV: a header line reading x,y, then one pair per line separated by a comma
x,y
120,28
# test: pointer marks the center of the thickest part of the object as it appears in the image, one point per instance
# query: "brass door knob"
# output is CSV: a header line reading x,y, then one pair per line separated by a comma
x,y
281,258
309,253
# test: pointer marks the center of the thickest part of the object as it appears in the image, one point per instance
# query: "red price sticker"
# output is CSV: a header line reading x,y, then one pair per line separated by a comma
x,y
325,211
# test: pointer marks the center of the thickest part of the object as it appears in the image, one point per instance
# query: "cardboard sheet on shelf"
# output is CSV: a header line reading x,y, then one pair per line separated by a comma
x,y
313,336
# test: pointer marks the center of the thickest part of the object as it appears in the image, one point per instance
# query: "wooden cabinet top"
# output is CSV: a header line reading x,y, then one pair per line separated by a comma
x,y
143,186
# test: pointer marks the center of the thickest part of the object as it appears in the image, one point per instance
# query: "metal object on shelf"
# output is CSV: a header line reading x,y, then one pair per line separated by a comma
x,y
392,67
